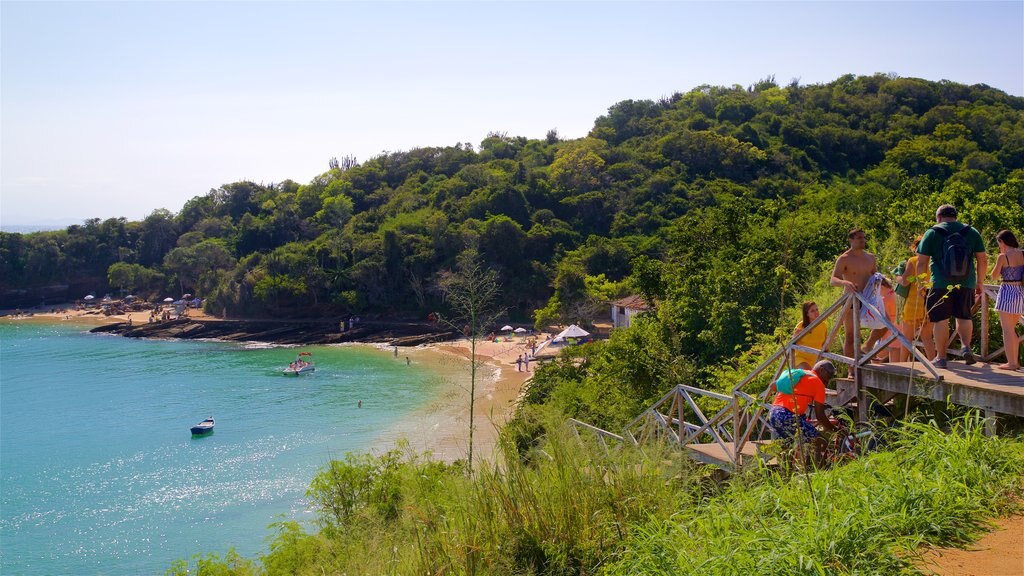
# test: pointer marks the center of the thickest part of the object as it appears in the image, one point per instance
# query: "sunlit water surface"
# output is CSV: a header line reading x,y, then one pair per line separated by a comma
x,y
99,473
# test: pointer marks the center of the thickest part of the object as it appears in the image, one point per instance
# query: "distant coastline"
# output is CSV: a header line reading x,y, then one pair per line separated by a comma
x,y
439,427
391,333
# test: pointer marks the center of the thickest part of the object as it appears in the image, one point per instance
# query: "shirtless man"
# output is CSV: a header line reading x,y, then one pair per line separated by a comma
x,y
852,271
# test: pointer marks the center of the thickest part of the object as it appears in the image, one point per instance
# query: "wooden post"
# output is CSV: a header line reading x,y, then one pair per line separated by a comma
x,y
862,397
990,423
984,324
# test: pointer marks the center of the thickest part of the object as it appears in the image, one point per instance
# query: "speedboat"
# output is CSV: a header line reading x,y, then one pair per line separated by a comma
x,y
302,365
204,427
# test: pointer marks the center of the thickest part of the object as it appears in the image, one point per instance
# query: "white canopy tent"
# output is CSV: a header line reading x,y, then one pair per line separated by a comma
x,y
573,331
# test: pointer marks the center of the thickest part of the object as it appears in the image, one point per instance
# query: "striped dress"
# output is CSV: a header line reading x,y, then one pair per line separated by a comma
x,y
1010,298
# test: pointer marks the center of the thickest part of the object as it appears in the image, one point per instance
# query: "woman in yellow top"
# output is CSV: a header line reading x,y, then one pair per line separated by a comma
x,y
813,339
915,319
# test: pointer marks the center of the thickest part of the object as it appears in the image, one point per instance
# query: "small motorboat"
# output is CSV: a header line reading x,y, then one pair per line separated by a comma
x,y
204,427
302,365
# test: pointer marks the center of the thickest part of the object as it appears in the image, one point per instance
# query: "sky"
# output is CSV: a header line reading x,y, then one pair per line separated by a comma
x,y
116,109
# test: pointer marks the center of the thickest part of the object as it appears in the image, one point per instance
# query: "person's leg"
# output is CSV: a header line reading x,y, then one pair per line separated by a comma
x,y
963,312
848,333
939,309
940,332
873,339
928,338
1011,341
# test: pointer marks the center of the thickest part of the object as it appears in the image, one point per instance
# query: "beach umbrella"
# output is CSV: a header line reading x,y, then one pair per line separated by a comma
x,y
520,330
186,296
506,328
90,297
168,299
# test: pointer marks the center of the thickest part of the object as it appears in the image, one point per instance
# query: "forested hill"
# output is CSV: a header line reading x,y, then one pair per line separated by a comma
x,y
725,203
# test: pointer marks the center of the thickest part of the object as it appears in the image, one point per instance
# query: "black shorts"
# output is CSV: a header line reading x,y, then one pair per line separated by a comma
x,y
956,302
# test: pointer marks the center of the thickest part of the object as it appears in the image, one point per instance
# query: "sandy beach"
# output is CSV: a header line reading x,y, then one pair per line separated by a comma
x,y
442,425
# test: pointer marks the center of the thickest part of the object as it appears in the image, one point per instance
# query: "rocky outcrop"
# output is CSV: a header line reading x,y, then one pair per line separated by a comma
x,y
285,331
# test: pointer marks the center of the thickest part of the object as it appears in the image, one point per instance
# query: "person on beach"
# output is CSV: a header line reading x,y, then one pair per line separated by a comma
x,y
915,323
813,339
852,272
1010,299
954,254
407,361
786,416
526,362
519,363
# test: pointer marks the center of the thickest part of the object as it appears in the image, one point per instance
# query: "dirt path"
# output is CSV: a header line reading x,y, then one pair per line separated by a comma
x,y
998,553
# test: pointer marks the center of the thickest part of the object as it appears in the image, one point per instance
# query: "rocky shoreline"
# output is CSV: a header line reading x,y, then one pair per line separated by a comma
x,y
285,331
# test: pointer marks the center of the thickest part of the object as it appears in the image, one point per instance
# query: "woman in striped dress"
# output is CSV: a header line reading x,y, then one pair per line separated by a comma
x,y
1010,300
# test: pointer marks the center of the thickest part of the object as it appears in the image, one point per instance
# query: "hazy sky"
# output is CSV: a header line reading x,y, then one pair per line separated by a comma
x,y
119,108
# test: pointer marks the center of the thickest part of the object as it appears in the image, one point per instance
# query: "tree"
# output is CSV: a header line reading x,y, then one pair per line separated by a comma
x,y
471,292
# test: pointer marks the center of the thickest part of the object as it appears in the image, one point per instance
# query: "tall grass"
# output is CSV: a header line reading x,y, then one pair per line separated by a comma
x,y
863,518
574,509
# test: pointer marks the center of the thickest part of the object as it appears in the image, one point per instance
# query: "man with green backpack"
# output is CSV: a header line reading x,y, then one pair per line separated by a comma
x,y
955,255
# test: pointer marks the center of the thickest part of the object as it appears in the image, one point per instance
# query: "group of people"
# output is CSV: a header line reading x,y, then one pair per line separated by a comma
x,y
942,279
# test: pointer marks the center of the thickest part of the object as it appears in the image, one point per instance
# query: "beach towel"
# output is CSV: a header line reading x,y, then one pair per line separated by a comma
x,y
871,294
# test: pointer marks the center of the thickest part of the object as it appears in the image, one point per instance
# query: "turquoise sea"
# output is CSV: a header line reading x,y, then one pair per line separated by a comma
x,y
99,473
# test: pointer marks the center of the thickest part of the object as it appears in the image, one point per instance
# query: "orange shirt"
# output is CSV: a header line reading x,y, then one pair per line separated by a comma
x,y
809,388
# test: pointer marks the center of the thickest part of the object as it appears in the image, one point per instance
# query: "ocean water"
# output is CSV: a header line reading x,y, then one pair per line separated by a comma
x,y
99,473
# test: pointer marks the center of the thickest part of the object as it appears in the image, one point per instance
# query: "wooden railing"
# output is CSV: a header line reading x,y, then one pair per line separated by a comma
x,y
677,418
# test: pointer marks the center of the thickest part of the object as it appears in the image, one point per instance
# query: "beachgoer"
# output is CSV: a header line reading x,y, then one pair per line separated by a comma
x,y
813,339
396,351
1010,299
916,325
853,271
526,362
950,294
519,363
786,416
360,404
407,361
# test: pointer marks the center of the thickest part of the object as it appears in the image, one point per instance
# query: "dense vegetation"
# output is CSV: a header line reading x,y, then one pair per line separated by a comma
x,y
724,206
576,511
741,192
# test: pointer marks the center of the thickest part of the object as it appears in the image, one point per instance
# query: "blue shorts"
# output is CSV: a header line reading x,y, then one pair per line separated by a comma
x,y
784,423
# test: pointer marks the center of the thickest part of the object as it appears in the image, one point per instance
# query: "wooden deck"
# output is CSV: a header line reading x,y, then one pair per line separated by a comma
x,y
713,453
980,386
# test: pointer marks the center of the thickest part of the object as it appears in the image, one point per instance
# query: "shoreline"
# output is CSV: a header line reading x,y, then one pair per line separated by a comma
x,y
440,426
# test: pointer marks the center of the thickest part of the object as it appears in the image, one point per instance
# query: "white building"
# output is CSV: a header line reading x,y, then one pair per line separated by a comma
x,y
624,309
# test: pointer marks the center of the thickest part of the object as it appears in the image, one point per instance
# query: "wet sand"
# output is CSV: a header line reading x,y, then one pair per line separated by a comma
x,y
442,426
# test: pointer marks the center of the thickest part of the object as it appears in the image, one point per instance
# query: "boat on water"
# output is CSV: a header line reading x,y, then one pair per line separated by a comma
x,y
204,427
302,365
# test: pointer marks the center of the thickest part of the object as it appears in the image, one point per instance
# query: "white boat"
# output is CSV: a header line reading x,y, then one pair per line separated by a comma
x,y
204,427
302,365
